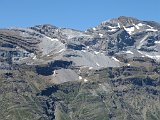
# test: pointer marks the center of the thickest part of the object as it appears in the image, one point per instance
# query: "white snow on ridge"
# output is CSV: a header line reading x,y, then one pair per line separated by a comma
x,y
119,25
94,28
112,27
137,26
153,30
141,42
85,80
140,24
150,26
130,30
101,35
54,72
157,42
80,78
157,57
90,68
144,39
129,52
112,30
96,52
62,50
34,57
52,39
83,50
97,64
140,52
115,59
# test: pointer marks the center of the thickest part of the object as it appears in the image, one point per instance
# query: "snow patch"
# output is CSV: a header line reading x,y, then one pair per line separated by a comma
x,y
140,52
94,28
54,72
144,39
141,42
101,35
112,30
96,52
97,64
129,52
34,58
150,26
157,57
158,42
85,80
137,27
80,78
83,50
152,30
90,68
130,30
62,50
52,39
140,24
115,59
112,27
119,25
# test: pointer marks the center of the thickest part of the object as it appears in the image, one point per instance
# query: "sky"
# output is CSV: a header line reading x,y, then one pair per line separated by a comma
x,y
76,14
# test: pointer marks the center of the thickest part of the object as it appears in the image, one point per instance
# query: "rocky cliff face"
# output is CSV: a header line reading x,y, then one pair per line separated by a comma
x,y
109,72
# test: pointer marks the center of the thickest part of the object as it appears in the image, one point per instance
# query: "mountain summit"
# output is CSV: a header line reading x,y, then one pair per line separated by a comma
x,y
109,72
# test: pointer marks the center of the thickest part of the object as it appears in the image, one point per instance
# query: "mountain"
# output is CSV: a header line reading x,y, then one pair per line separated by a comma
x,y
109,72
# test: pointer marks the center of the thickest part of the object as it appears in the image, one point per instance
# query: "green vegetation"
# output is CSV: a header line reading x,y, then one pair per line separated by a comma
x,y
125,93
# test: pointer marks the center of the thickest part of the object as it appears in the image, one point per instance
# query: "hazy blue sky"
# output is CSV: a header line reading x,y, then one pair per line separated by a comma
x,y
77,14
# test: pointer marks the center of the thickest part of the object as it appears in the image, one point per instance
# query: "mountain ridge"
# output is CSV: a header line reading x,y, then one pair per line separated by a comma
x,y
107,72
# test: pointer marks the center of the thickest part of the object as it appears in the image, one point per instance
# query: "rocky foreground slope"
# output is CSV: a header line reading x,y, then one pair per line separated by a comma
x,y
109,72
